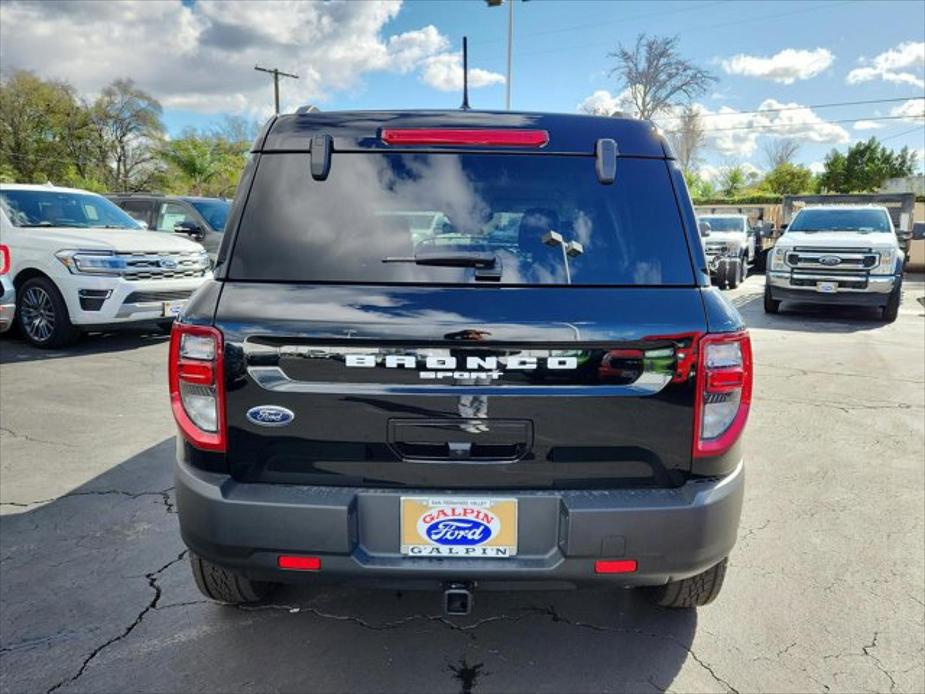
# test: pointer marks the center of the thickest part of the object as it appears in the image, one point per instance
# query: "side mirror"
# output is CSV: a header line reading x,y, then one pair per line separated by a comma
x,y
705,228
191,229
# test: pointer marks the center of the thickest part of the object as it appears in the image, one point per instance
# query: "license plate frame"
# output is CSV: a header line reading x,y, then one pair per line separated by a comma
x,y
458,527
827,287
173,309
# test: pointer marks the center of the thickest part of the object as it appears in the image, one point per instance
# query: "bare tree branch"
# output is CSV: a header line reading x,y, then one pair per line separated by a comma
x,y
688,138
656,75
779,150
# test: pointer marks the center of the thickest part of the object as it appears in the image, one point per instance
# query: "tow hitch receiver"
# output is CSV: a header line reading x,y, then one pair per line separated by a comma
x,y
458,599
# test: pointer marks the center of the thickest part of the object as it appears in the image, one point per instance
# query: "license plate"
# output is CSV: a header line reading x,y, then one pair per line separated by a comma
x,y
172,309
476,528
826,287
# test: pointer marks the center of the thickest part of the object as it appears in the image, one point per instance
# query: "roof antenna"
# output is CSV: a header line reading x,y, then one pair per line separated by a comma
x,y
465,103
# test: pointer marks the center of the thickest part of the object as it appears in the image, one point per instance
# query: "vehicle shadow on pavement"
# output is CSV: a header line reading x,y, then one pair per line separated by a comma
x,y
807,318
14,349
96,595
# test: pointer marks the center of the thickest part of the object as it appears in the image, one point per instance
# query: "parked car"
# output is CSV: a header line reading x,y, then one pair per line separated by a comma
x,y
78,262
837,254
7,291
730,248
361,400
201,219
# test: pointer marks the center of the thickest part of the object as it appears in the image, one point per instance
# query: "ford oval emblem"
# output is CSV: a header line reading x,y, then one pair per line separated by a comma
x,y
465,532
270,416
829,260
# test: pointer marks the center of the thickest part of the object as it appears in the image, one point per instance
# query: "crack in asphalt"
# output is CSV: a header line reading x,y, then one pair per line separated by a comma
x,y
866,653
152,605
841,374
164,494
526,612
32,439
847,409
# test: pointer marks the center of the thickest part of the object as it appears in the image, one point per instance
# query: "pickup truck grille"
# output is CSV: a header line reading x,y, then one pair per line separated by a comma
x,y
714,248
829,260
166,265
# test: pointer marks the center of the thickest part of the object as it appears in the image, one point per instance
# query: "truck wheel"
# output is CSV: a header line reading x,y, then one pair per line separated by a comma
x,y
695,591
223,585
42,314
734,271
891,310
770,305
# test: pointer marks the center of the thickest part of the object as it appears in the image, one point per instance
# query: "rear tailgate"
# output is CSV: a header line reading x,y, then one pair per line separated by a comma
x,y
459,387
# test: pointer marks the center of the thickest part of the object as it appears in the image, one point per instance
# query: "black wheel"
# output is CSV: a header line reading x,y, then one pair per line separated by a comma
x,y
734,272
42,314
770,305
224,585
695,591
891,310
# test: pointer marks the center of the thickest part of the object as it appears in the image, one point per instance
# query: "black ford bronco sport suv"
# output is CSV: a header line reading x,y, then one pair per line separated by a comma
x,y
460,349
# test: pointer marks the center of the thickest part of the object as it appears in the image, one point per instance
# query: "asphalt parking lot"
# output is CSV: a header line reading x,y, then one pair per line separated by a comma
x,y
825,591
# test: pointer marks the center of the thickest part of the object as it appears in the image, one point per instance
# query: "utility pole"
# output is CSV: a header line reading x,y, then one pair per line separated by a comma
x,y
276,75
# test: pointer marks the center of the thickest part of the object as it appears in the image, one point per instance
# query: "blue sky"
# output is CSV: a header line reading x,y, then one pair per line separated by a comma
x,y
363,55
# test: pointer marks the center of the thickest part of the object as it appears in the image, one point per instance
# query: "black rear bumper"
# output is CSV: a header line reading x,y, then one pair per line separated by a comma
x,y
671,533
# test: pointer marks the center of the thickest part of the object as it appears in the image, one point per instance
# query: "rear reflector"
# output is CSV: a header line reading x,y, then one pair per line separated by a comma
x,y
296,563
615,566
462,136
4,259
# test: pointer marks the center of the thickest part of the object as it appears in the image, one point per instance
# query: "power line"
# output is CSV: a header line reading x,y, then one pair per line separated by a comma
x,y
904,132
808,107
793,125
707,27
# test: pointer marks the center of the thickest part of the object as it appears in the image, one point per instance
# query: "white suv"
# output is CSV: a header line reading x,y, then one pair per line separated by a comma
x,y
78,262
837,254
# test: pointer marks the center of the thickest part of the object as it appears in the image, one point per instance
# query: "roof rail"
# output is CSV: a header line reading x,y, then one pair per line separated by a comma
x,y
140,193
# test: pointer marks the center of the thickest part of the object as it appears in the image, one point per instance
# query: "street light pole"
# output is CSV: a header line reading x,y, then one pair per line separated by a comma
x,y
510,50
276,75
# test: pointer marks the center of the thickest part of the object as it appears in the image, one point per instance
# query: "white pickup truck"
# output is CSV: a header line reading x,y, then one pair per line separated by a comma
x,y
78,262
730,247
837,254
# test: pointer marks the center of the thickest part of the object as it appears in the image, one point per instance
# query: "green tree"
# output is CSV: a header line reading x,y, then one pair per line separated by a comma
x,y
43,133
127,132
788,179
732,180
864,167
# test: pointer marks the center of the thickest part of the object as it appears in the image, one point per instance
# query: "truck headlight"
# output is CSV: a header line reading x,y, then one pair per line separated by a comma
x,y
777,258
887,260
92,262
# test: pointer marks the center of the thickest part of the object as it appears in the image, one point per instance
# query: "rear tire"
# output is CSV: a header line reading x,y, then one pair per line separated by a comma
x,y
223,585
891,310
734,272
770,304
695,591
42,315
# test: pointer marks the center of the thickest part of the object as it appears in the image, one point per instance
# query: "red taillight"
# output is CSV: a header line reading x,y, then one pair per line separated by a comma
x,y
197,385
297,563
4,259
615,566
465,136
724,392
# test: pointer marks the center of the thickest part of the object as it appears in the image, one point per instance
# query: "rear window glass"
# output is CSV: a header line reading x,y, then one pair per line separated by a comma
x,y
540,219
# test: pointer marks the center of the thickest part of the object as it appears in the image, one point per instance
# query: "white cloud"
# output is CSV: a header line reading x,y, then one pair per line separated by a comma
x,y
603,103
866,125
912,110
735,134
904,64
817,167
444,72
201,56
786,67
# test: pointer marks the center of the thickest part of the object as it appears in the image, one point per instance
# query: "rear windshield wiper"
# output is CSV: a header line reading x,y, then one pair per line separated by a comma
x,y
487,265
